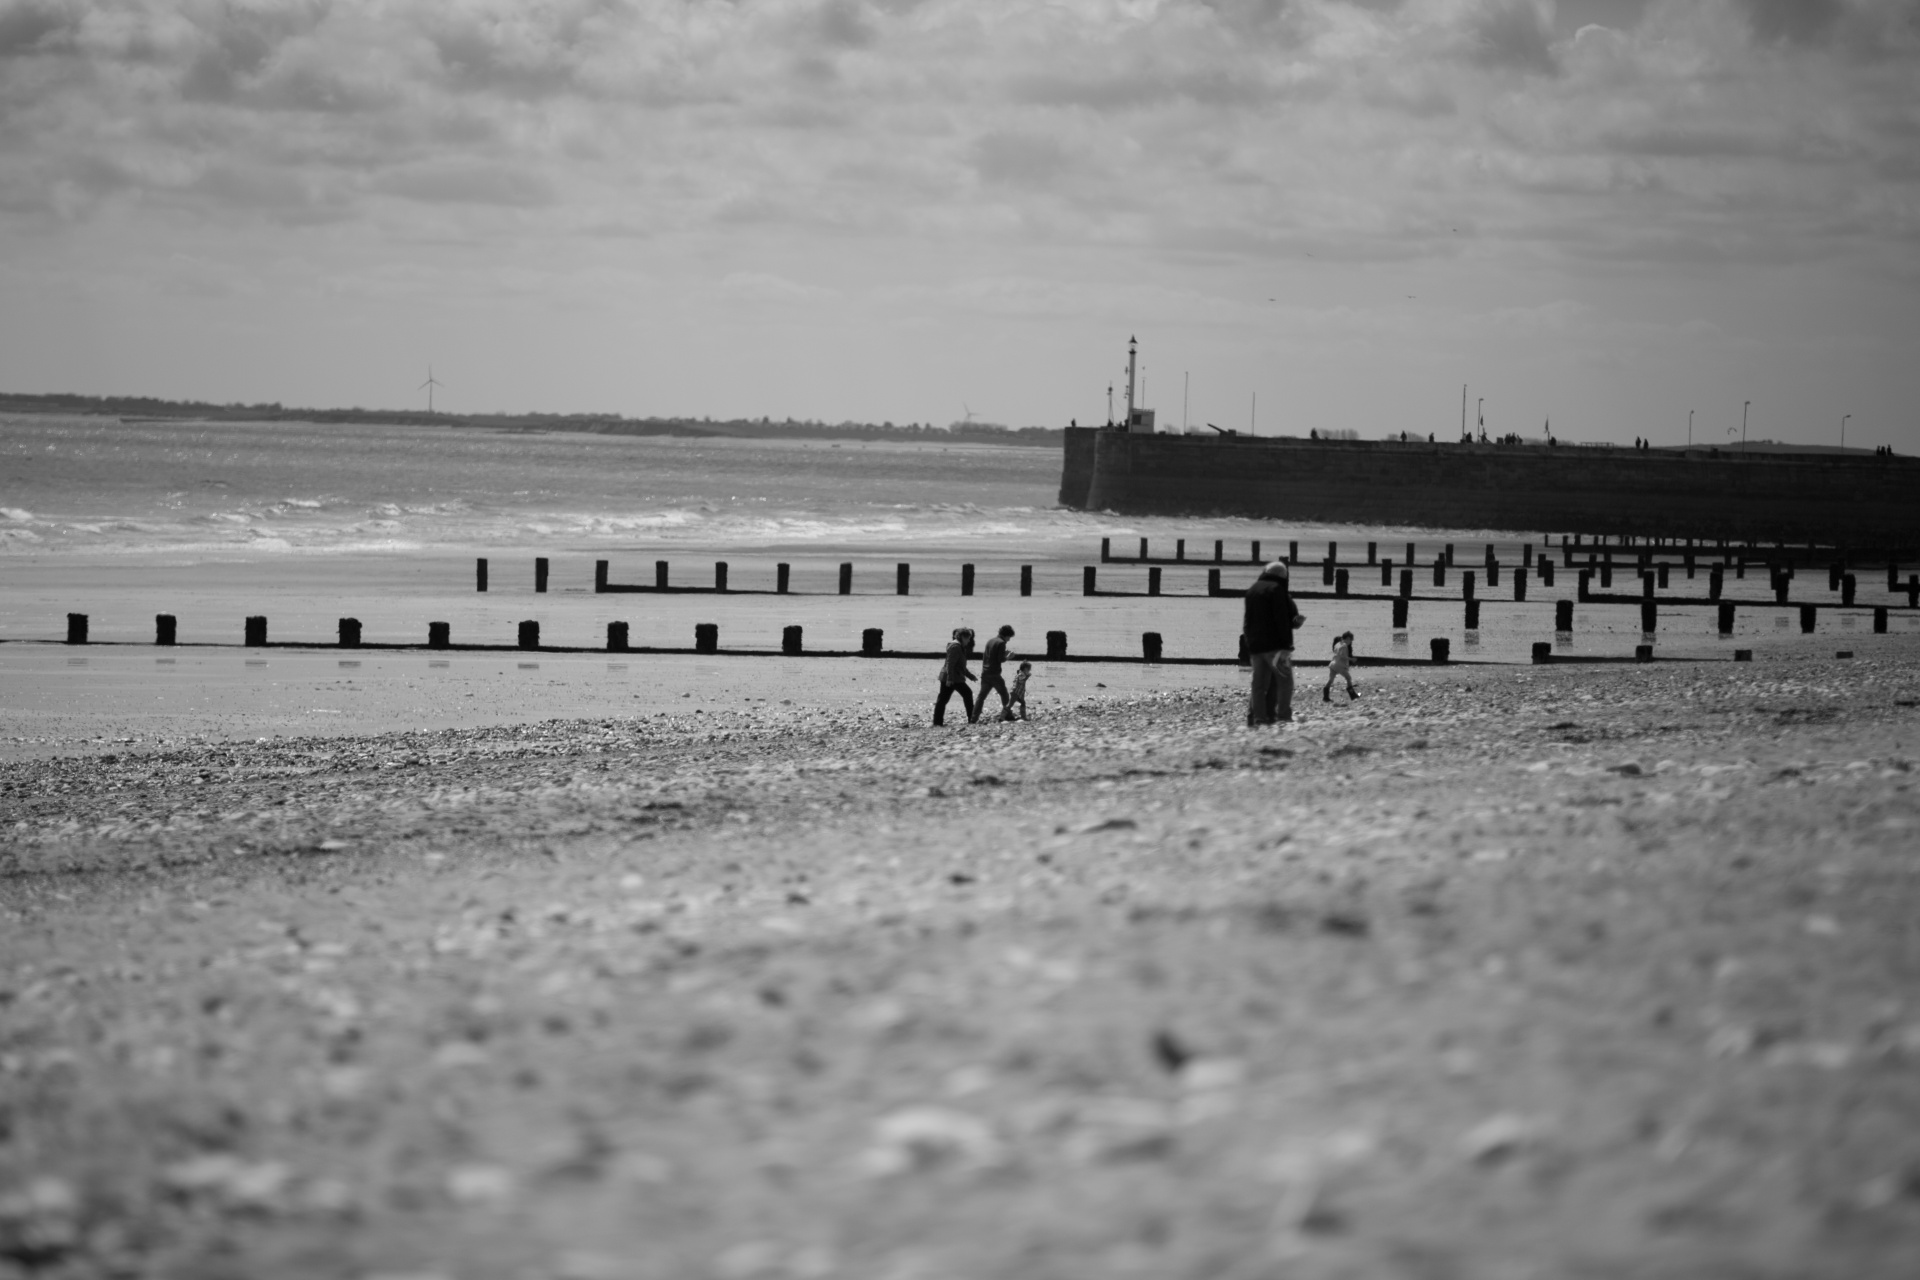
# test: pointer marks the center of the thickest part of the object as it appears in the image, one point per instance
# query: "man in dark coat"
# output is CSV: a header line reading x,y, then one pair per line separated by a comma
x,y
1269,622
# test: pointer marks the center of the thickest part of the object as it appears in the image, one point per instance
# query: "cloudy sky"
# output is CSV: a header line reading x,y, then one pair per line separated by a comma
x,y
1606,212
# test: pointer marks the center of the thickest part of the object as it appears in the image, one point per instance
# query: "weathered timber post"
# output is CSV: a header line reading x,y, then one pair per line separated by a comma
x,y
256,632
1643,653
1106,550
529,635
1026,579
480,574
1153,581
1411,557
1400,614
1809,616
1219,551
1563,615
720,575
1743,655
439,635
1646,586
1373,553
1546,572
1086,581
1213,582
1439,571
1449,553
1848,585
599,576
870,641
706,637
1716,582
659,575
1441,648
1606,575
1150,646
1649,617
1326,572
1179,548
901,577
1466,585
846,579
165,628
1340,582
1386,572
1586,585
782,575
1143,548
966,579
1293,553
1542,652
1879,619
1493,573
349,633
1526,555
1473,615
1780,583
1256,551
1520,585
1726,617
790,641
76,628
617,637
539,573
1663,573
1406,584
1056,644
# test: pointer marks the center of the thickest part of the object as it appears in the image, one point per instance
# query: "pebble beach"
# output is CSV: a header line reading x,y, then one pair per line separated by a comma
x,y
1496,971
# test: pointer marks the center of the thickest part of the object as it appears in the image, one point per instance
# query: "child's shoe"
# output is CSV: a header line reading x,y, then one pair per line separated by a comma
x,y
1326,695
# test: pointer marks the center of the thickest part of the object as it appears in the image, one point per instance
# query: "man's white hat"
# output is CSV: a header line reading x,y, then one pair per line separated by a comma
x,y
1277,569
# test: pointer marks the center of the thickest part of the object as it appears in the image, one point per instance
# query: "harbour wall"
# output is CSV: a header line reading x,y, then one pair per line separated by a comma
x,y
1834,500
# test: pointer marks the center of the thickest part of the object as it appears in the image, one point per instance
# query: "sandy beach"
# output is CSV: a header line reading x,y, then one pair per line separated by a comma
x,y
1497,971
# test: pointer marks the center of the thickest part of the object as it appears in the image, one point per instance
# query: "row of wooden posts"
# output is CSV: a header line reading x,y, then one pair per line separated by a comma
x,y
1572,547
707,634
1652,578
782,578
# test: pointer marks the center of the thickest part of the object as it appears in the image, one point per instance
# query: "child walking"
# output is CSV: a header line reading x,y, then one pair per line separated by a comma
x,y
1341,667
1017,697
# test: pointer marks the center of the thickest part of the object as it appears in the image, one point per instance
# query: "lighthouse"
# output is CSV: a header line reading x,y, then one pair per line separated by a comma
x,y
1139,421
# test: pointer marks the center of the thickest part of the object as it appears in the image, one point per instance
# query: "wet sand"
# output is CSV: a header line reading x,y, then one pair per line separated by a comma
x,y
1497,971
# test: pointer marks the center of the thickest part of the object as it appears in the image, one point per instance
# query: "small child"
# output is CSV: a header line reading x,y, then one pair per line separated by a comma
x,y
1017,696
1341,667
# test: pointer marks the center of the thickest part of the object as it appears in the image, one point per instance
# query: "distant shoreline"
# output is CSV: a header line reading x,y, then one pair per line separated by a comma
x,y
149,409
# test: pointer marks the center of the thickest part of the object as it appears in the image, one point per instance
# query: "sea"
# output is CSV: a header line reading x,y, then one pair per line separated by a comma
x,y
214,521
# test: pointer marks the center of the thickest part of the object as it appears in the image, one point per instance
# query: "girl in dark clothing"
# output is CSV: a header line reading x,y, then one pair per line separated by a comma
x,y
954,677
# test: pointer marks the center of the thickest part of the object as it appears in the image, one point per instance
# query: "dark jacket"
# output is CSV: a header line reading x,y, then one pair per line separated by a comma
x,y
953,671
1269,615
994,657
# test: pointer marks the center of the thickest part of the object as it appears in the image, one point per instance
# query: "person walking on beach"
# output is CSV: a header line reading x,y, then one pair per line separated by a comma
x,y
1268,626
954,677
991,660
1341,667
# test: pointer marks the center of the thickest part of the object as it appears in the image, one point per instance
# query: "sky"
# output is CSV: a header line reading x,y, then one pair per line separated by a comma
x,y
1328,214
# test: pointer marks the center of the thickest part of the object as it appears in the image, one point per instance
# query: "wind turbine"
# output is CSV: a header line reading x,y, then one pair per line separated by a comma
x,y
969,418
428,386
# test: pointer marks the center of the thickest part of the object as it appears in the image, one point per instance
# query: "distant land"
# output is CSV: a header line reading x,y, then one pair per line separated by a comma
x,y
147,407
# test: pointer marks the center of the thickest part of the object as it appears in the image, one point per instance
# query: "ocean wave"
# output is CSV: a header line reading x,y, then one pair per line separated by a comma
x,y
16,515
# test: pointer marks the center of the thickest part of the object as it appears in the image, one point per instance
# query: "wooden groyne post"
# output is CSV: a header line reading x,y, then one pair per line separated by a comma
x,y
349,633
76,628
529,634
165,628
617,637
539,574
480,574
901,574
256,633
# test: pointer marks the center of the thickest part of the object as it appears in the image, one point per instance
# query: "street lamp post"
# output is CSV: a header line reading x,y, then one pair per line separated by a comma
x,y
1689,428
1743,425
1843,429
